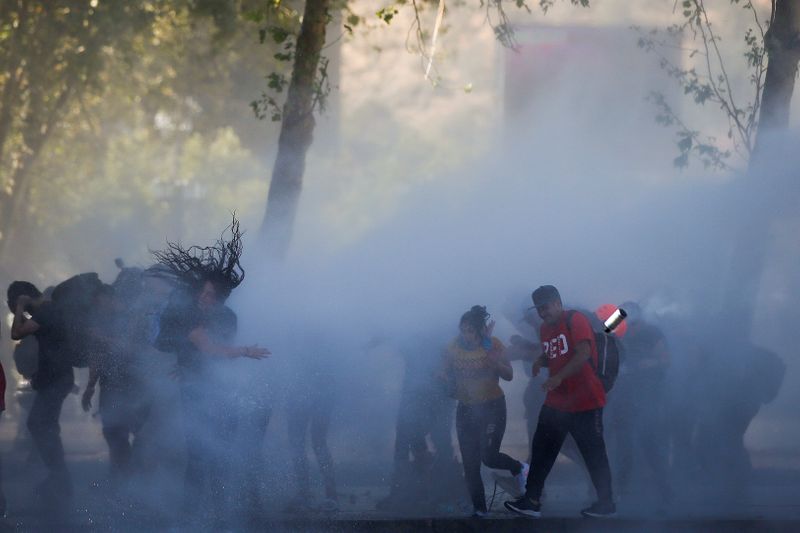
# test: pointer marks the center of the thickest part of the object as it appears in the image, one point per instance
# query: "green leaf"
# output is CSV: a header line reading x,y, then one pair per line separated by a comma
x,y
279,35
387,14
253,16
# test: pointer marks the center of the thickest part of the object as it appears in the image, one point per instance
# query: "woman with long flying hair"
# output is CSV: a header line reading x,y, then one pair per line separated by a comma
x,y
199,328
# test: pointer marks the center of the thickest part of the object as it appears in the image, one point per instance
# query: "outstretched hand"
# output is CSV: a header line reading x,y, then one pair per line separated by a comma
x,y
255,352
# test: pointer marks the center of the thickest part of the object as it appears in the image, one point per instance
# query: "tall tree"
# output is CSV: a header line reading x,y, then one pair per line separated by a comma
x,y
297,129
782,44
772,57
307,89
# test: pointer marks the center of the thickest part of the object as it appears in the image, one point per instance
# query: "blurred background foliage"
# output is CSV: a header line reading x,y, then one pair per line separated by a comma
x,y
135,117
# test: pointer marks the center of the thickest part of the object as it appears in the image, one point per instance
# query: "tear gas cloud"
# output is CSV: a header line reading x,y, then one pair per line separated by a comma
x,y
575,190
591,205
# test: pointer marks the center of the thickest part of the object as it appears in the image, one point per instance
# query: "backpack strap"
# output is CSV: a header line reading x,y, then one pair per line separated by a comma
x,y
605,353
570,315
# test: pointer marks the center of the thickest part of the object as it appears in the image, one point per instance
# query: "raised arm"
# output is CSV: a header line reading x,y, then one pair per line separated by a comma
x,y
204,343
21,327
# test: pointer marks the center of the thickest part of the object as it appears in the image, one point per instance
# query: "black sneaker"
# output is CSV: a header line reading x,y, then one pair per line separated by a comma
x,y
600,510
525,507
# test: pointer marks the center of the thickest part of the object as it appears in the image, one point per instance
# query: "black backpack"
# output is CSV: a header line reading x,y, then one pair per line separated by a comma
x,y
72,301
26,357
608,355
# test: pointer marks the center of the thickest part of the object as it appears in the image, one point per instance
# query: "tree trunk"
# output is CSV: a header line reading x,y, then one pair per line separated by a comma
x,y
297,130
782,43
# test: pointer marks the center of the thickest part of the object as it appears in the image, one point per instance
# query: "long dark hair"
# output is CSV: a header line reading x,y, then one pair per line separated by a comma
x,y
194,266
476,318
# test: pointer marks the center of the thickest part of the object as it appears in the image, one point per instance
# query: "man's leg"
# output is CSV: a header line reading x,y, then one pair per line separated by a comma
x,y
551,430
114,412
44,427
441,427
625,432
119,450
652,430
587,429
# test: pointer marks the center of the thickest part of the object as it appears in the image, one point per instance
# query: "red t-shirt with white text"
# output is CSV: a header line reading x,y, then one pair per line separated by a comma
x,y
583,390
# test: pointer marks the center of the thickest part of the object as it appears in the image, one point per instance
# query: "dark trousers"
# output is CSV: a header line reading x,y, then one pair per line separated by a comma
x,y
311,415
124,412
423,413
480,429
43,423
586,428
641,427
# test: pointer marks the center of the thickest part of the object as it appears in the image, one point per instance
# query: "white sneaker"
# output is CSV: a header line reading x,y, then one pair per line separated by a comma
x,y
511,484
522,477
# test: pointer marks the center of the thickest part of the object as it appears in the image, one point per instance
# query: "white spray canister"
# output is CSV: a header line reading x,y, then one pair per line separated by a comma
x,y
614,320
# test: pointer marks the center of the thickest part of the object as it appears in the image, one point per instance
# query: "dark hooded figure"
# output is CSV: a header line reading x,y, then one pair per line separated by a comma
x,y
199,329
53,380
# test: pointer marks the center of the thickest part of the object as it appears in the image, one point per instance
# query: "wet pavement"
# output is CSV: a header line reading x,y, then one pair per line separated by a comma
x,y
770,502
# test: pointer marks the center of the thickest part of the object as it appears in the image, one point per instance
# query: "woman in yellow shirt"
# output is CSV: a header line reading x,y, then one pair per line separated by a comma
x,y
473,365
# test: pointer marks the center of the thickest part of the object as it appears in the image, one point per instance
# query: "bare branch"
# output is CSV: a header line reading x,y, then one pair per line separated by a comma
x,y
727,102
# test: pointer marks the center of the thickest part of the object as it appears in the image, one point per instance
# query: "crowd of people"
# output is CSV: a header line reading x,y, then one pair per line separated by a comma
x,y
177,306
669,415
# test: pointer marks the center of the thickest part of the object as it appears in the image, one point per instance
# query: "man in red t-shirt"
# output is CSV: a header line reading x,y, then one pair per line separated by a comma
x,y
573,405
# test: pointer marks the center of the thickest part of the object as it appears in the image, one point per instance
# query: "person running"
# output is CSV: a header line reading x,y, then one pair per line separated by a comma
x,y
53,381
123,405
573,405
199,328
641,426
473,365
424,411
313,395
